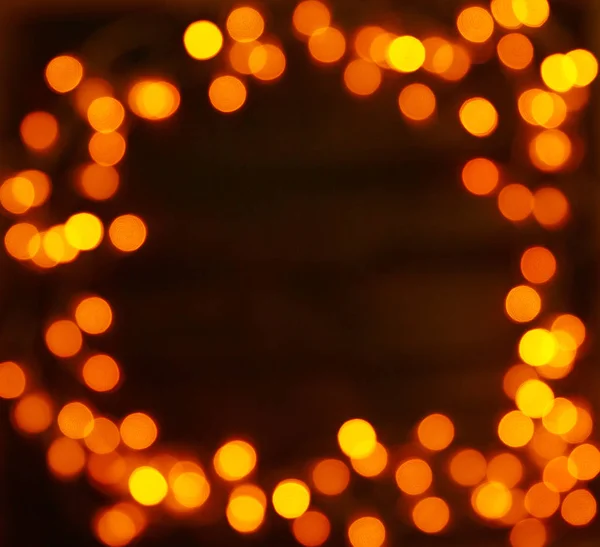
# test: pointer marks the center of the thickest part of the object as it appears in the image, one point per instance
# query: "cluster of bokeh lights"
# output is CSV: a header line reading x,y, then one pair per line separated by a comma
x,y
546,457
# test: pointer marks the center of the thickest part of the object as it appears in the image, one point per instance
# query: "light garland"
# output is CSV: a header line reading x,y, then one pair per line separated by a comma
x,y
548,434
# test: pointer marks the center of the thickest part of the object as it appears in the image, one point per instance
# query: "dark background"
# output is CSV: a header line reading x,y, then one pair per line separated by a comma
x,y
310,258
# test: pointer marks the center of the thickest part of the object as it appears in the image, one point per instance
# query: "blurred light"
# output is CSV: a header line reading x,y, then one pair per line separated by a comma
x,y
438,54
414,477
56,246
330,477
515,377
104,437
32,413
435,432
586,64
93,315
562,418
363,40
41,185
523,304
63,73
310,16
534,398
406,54
203,40
547,109
468,467
459,62
379,49
357,438
503,12
245,24
311,529
291,498
517,510
84,231
89,90
525,105
374,464
362,77
239,56
127,233
227,94
584,462
267,62
556,475
550,150
327,45
537,347
538,265
431,515
475,24
235,460
107,469
541,502
189,485
582,429
39,131
66,458
546,445
138,431
491,500
559,72
107,148
576,98
550,207
515,428
571,325
532,13
101,373
528,533
515,202
579,508
506,469
417,102
366,532
480,176
478,116
118,525
98,182
153,99
12,380
246,508
17,195
515,51
105,114
147,486
75,420
63,338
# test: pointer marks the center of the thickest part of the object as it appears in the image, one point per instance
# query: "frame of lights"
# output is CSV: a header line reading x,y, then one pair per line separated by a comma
x,y
548,434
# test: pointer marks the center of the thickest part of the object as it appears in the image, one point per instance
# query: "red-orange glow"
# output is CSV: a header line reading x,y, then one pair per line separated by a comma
x,y
63,73
105,114
330,477
39,131
104,437
227,94
515,428
523,304
579,508
528,533
452,62
138,431
127,233
414,476
491,500
550,207
468,467
311,529
431,515
18,238
63,338
515,51
89,90
550,150
562,418
506,469
438,54
108,469
93,315
267,62
117,526
153,99
556,475
571,325
515,377
239,56
362,77
374,464
327,45
33,413
17,195
101,373
311,16
541,502
363,40
538,265
12,380
584,462
582,429
515,202
378,51
75,420
366,532
480,176
107,148
417,102
475,24
41,185
503,13
478,116
245,24
98,182
546,445
66,458
436,432
517,510
235,460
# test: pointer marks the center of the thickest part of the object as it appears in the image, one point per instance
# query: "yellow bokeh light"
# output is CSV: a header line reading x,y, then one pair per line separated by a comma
x,y
93,315
480,176
227,94
327,45
366,532
414,476
12,380
515,428
541,501
63,73
189,485
550,150
468,467
153,99
532,13
406,54
235,460
84,231
127,233
435,432
63,338
310,16
245,24
41,185
584,462
537,347
528,533
39,131
535,398
98,182
105,114
101,373
492,500
579,508
138,431
203,40
246,508
548,109
107,148
515,51
431,515
66,458
291,498
538,265
478,116
556,475
330,477
104,437
311,529
362,77
506,469
559,72
32,413
572,325
523,304
417,102
475,24
586,64
75,420
357,438
147,486
374,464
562,418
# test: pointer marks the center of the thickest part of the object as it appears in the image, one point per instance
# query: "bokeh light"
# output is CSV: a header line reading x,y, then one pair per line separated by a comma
x,y
117,526
503,13
559,72
147,486
105,114
311,529
41,185
478,116
98,182
63,73
63,338
586,64
537,347
17,195
84,231
506,469
235,460
431,515
541,501
528,533
557,476
491,500
535,398
202,40
39,131
406,54
138,431
538,265
267,62
89,90
516,376
523,304
93,315
515,51
330,477
435,432
515,202
66,458
584,462
327,45
374,464
362,77
468,467
480,176
107,148
550,207
366,532
33,413
291,498
363,40
579,508
532,13
104,437
562,418
310,16
417,102
12,380
245,24
475,24
515,428
550,150
227,94
582,429
127,233
414,476
101,373
357,438
75,420
246,508
153,99
189,485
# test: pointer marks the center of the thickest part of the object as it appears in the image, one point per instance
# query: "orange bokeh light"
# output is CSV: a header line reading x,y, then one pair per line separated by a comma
x,y
138,431
311,529
362,77
12,380
63,73
101,373
127,233
480,176
310,16
93,315
435,432
515,51
414,476
523,304
515,202
64,338
417,102
538,265
39,131
153,99
32,413
478,116
66,458
327,45
330,477
475,24
227,94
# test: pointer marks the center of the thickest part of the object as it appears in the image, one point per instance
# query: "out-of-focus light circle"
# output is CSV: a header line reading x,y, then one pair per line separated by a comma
x,y
203,40
414,476
515,429
153,99
523,304
93,315
245,24
374,464
475,24
515,51
528,533
491,500
478,116
503,13
535,398
235,460
327,45
559,72
363,40
98,182
138,431
587,66
562,418
362,77
516,376
12,380
63,338
582,429
515,202
17,195
104,437
357,438
468,467
75,420
32,413
537,347
532,13
41,185
227,94
66,458
550,150
505,468
189,485
89,90
584,462
105,114
84,231
101,373
406,54
435,432
579,508
63,73
246,508
291,498
107,148
39,131
431,515
311,16
330,477
480,176
116,526
538,265
127,233
267,62
311,529
147,486
366,532
417,102
550,207
541,501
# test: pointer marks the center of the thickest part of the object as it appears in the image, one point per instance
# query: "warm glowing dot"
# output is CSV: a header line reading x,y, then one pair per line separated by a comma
x,y
93,315
246,508
374,464
562,418
452,62
582,429
56,246
235,460
587,66
492,500
17,195
189,485
538,265
556,475
227,94
63,73
330,477
327,45
523,304
503,13
101,373
117,526
39,131
12,380
438,54
541,501
89,90
515,428
245,24
525,105
515,51
108,469
32,413
414,477
431,515
584,462
516,376
515,202
147,486
362,77
84,231
478,116
506,469
366,532
104,437
138,431
528,533
107,148
364,39
545,108
579,508
550,207
571,325
532,13
559,72
127,233
311,16
468,467
550,150
435,432
406,54
291,498
98,182
105,114
534,398
378,51
537,347
203,40
239,56
41,185
475,24
66,458
267,62
480,176
417,102
75,420
63,338
517,511
311,529
154,99
546,446
357,438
